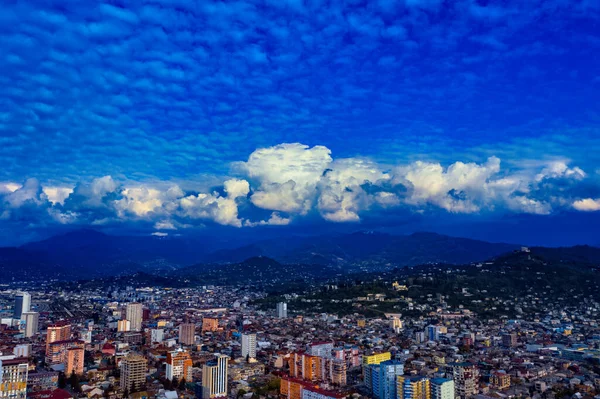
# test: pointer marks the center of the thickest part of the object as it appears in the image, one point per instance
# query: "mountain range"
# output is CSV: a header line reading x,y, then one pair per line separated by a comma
x,y
90,254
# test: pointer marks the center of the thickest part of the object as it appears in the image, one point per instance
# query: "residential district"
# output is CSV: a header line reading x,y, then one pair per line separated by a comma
x,y
213,342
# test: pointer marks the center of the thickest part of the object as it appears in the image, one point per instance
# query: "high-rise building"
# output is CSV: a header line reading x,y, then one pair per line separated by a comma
x,y
22,304
13,378
337,372
282,310
396,324
210,324
322,349
179,365
466,379
316,393
74,364
123,326
249,345
31,323
214,378
135,314
509,340
187,333
133,371
58,351
433,333
157,335
384,377
60,331
369,360
442,388
413,388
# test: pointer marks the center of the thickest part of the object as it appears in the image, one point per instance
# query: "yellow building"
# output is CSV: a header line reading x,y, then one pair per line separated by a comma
x,y
500,380
361,323
13,378
413,388
376,358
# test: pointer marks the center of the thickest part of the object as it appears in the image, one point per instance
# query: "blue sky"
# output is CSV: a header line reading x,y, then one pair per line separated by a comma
x,y
178,117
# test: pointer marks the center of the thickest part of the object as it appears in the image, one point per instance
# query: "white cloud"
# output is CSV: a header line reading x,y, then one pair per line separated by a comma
x,y
274,220
57,195
587,205
287,176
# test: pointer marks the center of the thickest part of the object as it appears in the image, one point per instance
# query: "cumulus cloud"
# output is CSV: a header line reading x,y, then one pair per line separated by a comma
x,y
587,205
287,176
277,185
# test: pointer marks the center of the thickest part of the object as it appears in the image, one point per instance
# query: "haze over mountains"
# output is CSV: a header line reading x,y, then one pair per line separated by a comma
x,y
88,254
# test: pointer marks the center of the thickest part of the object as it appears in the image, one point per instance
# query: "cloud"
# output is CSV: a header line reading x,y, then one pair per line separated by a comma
x,y
587,205
287,176
279,185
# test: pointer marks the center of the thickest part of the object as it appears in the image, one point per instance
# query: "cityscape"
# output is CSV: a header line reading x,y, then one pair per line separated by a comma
x,y
300,199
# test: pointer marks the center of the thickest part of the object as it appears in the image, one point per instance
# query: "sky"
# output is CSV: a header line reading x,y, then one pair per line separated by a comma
x,y
281,117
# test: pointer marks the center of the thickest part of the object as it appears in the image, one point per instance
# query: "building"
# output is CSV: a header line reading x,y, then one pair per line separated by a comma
x,y
210,324
31,323
133,372
441,388
42,380
23,350
57,332
466,379
13,378
157,335
500,380
135,314
321,349
187,334
243,371
123,326
22,304
292,388
509,340
433,333
249,345
384,379
58,351
337,372
179,365
316,393
396,324
74,364
413,388
369,360
349,353
282,310
214,377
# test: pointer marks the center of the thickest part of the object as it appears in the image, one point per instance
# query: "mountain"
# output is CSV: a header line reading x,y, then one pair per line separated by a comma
x,y
87,254
375,250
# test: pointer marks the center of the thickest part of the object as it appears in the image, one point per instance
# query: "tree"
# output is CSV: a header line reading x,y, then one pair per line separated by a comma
x,y
62,381
182,384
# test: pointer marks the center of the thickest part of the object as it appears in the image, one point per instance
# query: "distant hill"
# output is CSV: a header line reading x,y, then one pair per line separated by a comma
x,y
369,249
87,254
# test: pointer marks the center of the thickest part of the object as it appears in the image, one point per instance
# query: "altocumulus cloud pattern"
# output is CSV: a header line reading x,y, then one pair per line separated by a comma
x,y
171,114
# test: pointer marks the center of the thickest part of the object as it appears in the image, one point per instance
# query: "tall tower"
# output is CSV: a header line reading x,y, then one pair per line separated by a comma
x,y
31,323
133,371
135,313
179,365
249,345
22,304
214,377
282,310
57,332
187,333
